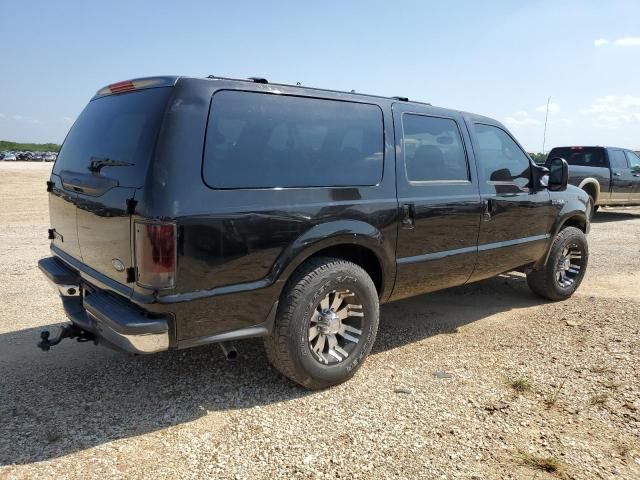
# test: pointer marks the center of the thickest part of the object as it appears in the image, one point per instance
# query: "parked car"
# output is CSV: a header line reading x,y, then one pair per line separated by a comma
x,y
50,157
9,157
190,211
610,175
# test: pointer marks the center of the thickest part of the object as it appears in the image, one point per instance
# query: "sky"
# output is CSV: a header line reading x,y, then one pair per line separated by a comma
x,y
502,59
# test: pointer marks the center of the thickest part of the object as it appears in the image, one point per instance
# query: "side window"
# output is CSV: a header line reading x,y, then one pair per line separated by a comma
x,y
259,140
433,149
501,159
634,161
617,159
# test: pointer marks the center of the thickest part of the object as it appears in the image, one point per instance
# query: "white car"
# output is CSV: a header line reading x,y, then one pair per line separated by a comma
x,y
10,157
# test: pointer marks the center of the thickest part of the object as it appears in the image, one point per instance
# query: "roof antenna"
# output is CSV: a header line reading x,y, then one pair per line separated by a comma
x,y
546,119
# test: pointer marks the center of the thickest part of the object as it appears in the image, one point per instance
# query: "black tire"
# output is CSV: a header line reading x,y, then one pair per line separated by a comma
x,y
593,208
545,282
289,347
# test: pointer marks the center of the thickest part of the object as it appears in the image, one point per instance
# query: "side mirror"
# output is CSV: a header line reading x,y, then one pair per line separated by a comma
x,y
558,174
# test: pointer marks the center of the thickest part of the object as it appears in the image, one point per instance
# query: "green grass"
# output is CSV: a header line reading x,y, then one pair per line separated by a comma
x,y
31,147
545,464
520,385
552,398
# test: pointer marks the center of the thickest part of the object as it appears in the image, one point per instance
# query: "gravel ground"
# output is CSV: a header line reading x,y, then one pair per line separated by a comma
x,y
480,382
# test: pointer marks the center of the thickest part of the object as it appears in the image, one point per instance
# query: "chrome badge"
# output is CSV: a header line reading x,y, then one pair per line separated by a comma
x,y
117,264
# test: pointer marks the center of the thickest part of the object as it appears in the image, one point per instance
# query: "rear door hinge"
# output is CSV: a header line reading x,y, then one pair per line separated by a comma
x,y
50,186
131,275
131,206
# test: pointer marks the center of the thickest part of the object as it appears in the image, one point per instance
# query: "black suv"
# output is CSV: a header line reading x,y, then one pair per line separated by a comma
x,y
189,211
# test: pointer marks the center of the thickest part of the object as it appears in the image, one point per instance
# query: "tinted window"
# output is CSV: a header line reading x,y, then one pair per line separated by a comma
x,y
257,140
580,156
120,127
617,159
433,149
501,159
634,160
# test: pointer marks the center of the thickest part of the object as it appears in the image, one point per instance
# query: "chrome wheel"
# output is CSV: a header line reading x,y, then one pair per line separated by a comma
x,y
569,265
335,327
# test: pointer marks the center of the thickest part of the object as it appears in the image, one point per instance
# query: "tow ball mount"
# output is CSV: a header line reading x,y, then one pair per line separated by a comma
x,y
68,331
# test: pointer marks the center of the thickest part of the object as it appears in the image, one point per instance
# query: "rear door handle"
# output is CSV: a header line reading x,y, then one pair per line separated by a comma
x,y
409,216
618,174
488,208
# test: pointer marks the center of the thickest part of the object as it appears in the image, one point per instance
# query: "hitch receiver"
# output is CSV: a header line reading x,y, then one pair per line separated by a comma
x,y
68,331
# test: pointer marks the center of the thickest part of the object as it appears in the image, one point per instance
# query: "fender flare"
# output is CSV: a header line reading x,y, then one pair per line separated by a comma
x,y
562,221
591,181
330,234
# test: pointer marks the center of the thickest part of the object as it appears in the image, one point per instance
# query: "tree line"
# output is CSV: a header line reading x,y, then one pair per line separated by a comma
x,y
28,147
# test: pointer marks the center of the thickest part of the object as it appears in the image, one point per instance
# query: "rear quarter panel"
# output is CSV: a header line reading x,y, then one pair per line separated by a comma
x,y
236,248
580,176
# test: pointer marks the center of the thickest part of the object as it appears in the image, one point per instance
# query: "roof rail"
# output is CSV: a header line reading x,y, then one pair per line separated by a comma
x,y
264,80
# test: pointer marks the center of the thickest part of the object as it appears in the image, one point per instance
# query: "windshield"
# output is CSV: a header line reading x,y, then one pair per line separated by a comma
x,y
580,156
116,133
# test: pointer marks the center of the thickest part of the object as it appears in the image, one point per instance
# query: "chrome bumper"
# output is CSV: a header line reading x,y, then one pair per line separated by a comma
x,y
115,320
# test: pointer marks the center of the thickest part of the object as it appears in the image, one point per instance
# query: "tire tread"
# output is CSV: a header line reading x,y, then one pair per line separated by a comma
x,y
276,345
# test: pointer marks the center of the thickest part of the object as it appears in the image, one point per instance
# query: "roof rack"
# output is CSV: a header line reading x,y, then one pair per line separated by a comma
x,y
265,81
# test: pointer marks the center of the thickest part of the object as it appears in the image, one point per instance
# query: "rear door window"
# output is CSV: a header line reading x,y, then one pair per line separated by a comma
x,y
433,149
119,128
258,140
618,160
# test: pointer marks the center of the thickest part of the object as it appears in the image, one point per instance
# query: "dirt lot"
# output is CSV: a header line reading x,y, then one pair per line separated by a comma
x,y
523,388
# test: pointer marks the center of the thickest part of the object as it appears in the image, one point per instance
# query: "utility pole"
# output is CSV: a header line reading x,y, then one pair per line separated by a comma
x,y
546,119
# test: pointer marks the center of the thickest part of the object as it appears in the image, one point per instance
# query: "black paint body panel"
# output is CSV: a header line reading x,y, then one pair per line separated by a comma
x,y
237,248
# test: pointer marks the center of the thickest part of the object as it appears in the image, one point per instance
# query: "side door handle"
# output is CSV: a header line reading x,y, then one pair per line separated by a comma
x,y
408,216
488,208
618,174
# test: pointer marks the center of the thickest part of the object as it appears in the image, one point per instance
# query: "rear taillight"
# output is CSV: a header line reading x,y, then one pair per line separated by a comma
x,y
155,254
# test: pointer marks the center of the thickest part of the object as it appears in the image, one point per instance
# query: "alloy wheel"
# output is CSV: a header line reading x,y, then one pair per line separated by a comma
x,y
336,326
569,265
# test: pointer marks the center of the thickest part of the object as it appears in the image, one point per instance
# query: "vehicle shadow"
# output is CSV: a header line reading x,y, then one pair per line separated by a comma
x,y
605,216
78,396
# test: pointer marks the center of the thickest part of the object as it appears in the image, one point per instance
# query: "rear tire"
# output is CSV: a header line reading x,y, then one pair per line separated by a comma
x,y
565,267
330,298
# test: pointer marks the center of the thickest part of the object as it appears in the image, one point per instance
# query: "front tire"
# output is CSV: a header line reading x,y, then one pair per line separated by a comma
x,y
326,323
565,267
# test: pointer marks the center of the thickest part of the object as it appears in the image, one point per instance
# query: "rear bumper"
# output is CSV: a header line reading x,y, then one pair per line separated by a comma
x,y
114,320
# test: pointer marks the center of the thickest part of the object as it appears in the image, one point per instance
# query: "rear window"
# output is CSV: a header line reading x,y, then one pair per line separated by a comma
x,y
116,128
580,156
257,140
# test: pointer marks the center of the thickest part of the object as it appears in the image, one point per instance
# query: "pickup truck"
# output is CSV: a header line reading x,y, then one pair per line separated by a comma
x,y
192,211
610,175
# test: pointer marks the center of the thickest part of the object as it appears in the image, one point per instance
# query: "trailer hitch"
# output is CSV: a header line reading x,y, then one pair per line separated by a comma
x,y
68,331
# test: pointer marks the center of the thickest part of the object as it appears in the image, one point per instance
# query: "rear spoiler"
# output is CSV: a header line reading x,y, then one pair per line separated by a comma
x,y
135,84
